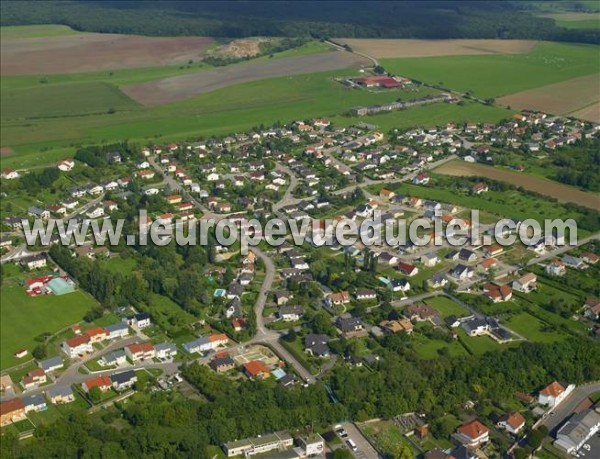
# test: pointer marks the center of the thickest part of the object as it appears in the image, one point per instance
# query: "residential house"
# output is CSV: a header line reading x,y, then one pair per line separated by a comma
x,y
399,285
554,393
36,212
60,395
556,268
421,313
118,330
115,358
12,411
365,295
34,378
77,346
513,422
430,259
10,174
66,165
525,284
282,297
398,325
497,293
255,369
165,351
467,255
50,365
438,280
351,327
407,269
590,258
472,434
139,321
340,297
140,351
290,313
222,364
573,262
124,380
592,308
35,403
103,383
461,272
316,345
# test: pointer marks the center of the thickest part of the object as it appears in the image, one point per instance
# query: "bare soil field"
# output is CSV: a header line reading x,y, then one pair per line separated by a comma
x,y
182,87
6,151
91,52
390,48
563,193
560,98
589,113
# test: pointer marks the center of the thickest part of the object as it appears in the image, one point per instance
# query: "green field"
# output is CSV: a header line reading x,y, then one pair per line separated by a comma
x,y
64,100
584,24
23,318
490,76
447,307
234,109
35,31
532,328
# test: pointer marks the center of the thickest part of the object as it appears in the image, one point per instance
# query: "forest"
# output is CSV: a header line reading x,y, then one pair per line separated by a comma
x,y
396,19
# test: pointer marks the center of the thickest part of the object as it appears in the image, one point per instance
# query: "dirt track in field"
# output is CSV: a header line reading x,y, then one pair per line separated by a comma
x,y
91,52
183,87
563,193
390,48
561,98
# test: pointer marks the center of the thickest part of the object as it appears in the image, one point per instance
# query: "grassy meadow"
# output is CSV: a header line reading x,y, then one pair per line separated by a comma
x,y
23,318
490,76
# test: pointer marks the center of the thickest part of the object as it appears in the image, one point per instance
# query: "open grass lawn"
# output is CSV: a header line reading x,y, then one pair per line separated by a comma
x,y
119,264
447,307
23,318
429,348
166,313
64,100
480,344
501,74
532,328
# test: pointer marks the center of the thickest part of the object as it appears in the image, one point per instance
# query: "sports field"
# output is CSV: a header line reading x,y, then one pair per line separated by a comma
x,y
24,318
490,76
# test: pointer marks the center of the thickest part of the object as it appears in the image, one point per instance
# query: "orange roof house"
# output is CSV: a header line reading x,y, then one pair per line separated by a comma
x,y
102,382
473,433
256,369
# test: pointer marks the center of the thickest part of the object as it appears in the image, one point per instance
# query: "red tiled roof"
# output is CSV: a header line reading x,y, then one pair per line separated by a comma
x,y
78,341
140,347
11,406
473,429
256,367
554,389
99,381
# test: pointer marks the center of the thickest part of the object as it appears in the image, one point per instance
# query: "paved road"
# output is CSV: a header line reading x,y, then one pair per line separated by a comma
x,y
564,410
561,250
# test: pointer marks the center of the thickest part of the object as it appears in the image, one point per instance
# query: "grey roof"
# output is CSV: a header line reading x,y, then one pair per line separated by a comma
x,y
33,400
165,347
579,427
114,356
123,377
311,339
115,327
60,391
49,363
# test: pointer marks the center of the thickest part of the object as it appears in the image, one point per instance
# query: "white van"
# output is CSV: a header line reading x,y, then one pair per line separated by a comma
x,y
351,444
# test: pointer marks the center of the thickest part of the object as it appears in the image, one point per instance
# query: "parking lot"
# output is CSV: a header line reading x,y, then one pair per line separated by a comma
x,y
594,448
364,448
